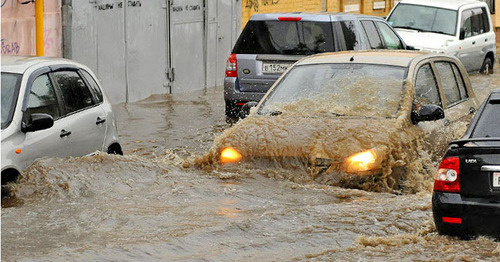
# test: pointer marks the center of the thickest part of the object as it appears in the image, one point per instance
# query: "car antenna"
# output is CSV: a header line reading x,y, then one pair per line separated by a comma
x,y
352,58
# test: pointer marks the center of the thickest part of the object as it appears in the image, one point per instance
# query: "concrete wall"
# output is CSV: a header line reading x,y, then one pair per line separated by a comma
x,y
18,28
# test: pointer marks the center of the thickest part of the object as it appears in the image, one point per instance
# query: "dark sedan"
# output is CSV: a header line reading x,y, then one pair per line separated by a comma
x,y
466,199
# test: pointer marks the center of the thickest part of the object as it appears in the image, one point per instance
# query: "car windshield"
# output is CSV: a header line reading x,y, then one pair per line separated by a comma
x,y
285,37
10,89
424,19
338,89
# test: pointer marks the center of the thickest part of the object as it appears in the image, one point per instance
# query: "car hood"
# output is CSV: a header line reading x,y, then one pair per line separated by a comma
x,y
310,138
425,40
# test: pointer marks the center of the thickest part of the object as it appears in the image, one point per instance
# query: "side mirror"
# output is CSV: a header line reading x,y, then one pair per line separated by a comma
x,y
37,122
462,33
245,110
409,47
427,113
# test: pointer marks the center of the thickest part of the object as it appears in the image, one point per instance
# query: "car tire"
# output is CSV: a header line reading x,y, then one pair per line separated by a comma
x,y
487,67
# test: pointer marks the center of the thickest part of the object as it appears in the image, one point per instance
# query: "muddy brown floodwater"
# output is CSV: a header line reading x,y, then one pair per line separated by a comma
x,y
145,206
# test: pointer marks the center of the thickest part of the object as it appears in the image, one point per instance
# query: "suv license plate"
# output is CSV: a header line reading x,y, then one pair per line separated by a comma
x,y
275,68
496,179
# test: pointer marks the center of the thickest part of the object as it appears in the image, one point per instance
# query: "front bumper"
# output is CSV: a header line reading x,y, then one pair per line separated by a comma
x,y
479,216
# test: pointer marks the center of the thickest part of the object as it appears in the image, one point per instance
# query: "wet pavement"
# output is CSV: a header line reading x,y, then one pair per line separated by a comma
x,y
147,206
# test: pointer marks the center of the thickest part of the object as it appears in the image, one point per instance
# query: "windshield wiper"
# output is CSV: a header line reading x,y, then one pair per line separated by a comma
x,y
433,31
408,27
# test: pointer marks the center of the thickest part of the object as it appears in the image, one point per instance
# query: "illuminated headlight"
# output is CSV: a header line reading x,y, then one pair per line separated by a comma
x,y
362,161
229,155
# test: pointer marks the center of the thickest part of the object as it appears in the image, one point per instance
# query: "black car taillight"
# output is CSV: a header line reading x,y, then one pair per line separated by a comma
x,y
231,66
447,176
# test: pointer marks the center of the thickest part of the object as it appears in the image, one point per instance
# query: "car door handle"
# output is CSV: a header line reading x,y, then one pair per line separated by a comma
x,y
447,122
65,133
100,120
486,40
474,42
472,110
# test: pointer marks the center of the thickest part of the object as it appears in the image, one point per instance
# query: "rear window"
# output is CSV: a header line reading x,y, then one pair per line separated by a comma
x,y
285,37
487,125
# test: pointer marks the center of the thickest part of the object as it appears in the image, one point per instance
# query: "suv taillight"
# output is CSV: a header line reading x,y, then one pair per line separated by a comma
x,y
231,66
447,176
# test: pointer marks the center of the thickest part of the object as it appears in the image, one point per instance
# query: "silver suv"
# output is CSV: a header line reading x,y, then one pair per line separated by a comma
x,y
270,43
52,107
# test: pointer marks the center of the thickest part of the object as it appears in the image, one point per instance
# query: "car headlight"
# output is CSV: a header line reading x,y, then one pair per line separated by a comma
x,y
229,155
362,161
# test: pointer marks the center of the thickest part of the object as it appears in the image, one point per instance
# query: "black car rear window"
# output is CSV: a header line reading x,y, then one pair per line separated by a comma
x,y
285,37
488,123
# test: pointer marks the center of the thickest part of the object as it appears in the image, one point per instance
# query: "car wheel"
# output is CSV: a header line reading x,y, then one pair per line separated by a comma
x,y
487,67
115,149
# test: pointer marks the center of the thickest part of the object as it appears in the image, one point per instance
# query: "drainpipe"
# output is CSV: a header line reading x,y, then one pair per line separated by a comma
x,y
324,5
39,27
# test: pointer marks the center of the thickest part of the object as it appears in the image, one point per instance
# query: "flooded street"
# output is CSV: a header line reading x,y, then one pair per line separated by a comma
x,y
148,205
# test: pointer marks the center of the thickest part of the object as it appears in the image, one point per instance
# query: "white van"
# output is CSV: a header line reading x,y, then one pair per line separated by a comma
x,y
461,28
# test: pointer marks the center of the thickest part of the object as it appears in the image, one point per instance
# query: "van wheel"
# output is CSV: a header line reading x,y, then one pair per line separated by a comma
x,y
487,67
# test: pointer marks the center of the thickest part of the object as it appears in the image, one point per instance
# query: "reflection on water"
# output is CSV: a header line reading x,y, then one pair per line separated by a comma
x,y
146,206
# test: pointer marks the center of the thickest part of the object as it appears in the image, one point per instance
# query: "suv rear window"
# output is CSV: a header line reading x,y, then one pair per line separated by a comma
x,y
285,37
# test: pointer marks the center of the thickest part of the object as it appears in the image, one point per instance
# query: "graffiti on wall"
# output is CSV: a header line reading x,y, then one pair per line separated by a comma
x,y
10,48
254,4
109,6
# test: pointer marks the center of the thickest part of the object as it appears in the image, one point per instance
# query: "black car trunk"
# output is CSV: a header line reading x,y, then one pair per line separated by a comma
x,y
480,171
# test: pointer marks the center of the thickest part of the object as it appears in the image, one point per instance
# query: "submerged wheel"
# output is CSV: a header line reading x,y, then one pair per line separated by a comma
x,y
487,67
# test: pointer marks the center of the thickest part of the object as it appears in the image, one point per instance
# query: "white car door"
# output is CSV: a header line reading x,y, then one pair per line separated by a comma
x,y
48,142
475,37
86,119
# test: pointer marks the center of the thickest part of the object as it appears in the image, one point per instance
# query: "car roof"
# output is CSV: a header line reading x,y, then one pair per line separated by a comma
x,y
383,57
19,64
455,4
312,16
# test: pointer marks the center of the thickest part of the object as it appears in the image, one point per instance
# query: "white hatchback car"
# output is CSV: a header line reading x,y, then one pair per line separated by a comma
x,y
52,107
462,28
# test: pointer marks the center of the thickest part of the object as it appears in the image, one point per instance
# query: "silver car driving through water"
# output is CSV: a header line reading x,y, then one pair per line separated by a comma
x,y
52,107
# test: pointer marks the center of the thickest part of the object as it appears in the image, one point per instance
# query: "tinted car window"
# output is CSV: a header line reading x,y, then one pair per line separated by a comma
x,y
285,37
426,88
373,36
93,86
475,22
42,98
75,93
349,32
448,82
487,124
390,38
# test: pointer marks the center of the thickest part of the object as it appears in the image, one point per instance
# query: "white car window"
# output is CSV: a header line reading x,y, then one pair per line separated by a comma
x,y
42,98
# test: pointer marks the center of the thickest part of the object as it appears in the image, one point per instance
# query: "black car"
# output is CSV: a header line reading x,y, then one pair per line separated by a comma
x,y
466,198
